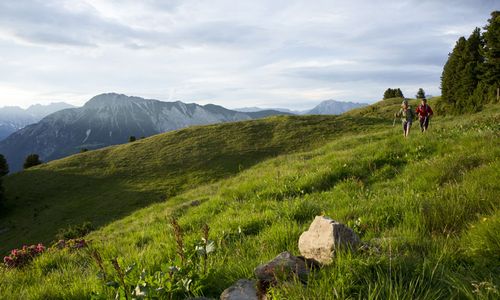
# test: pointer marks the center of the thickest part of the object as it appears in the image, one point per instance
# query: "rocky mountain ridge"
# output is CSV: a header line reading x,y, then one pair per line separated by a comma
x,y
110,119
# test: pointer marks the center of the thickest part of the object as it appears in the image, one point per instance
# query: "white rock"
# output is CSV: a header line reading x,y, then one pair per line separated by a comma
x,y
324,237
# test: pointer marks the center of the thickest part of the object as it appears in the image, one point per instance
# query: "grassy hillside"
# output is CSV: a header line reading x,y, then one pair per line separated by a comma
x,y
385,109
427,208
104,185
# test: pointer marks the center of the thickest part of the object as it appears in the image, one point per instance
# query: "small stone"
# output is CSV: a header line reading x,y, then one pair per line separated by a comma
x,y
324,237
243,289
195,203
284,267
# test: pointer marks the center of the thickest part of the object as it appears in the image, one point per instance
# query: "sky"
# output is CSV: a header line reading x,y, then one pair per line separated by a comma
x,y
263,53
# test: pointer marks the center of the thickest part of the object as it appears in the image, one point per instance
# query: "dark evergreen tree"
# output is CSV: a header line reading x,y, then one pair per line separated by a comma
x,y
420,94
132,138
399,93
4,170
31,161
471,76
4,167
393,93
491,75
2,194
450,76
388,94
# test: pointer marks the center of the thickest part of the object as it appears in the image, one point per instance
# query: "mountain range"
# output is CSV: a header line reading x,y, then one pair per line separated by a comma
x,y
110,119
13,118
327,107
59,129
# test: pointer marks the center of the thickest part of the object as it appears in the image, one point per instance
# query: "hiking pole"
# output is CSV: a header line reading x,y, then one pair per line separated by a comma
x,y
394,122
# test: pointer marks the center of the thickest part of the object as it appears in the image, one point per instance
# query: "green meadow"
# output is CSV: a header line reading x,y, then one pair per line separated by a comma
x,y
426,208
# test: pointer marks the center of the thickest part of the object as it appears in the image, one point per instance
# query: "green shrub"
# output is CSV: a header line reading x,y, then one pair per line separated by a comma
x,y
74,231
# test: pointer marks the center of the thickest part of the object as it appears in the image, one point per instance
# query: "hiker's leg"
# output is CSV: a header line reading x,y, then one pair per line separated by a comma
x,y
408,126
422,124
404,128
426,124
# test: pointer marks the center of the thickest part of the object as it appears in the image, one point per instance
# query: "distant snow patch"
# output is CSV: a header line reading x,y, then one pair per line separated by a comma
x,y
88,134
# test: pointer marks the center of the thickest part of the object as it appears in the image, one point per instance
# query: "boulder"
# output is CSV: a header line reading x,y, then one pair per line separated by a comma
x,y
284,267
243,289
324,237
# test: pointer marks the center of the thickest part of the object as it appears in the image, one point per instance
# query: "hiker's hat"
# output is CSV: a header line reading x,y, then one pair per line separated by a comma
x,y
405,102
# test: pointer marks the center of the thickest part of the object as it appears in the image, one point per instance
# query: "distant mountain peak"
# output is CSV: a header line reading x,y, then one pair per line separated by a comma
x,y
39,111
326,107
113,100
13,118
52,104
334,107
259,109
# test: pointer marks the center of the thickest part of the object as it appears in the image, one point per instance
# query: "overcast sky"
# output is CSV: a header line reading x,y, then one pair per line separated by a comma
x,y
267,53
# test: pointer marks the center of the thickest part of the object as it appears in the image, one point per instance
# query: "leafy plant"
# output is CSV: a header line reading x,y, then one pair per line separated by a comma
x,y
184,276
358,226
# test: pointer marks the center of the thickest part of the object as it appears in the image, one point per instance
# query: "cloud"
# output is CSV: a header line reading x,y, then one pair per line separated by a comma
x,y
53,23
384,76
235,53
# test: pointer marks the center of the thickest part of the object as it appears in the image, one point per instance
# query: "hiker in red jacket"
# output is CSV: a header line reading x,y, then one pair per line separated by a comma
x,y
424,112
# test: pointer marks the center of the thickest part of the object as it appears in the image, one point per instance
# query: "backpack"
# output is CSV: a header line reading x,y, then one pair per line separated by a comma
x,y
424,108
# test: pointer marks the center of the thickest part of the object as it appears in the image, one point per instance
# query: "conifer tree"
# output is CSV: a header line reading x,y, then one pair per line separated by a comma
x,y
4,167
471,76
388,94
472,63
491,75
393,93
4,170
420,94
450,77
399,93
31,161
2,194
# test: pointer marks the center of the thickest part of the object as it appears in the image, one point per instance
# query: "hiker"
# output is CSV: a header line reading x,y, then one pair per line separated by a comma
x,y
424,112
406,114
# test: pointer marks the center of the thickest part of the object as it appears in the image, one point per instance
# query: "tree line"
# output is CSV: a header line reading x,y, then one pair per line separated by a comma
x,y
393,93
397,93
471,76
